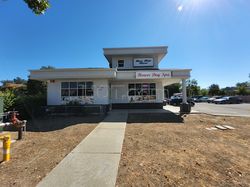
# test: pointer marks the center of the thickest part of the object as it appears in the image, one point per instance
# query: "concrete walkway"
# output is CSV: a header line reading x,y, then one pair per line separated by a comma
x,y
95,161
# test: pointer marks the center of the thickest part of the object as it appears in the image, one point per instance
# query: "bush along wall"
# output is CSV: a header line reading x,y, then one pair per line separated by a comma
x,y
29,106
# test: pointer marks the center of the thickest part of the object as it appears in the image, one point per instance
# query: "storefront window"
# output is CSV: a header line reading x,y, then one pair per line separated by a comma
x,y
65,85
131,88
152,89
138,89
142,92
81,88
141,89
65,89
77,89
65,92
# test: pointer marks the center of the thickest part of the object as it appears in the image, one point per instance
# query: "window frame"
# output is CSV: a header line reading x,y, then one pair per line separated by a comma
x,y
77,89
120,61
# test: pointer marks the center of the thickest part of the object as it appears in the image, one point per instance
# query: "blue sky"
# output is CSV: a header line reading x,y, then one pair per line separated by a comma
x,y
211,37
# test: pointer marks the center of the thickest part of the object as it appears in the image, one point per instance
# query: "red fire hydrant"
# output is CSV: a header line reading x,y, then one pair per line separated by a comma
x,y
18,124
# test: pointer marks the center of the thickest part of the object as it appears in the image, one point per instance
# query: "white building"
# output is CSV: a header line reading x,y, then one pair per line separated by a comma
x,y
132,81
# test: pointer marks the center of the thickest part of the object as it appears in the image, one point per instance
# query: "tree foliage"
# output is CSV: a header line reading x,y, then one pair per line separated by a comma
x,y
27,98
38,6
16,80
171,89
192,87
203,92
9,99
214,89
30,106
242,88
35,87
47,67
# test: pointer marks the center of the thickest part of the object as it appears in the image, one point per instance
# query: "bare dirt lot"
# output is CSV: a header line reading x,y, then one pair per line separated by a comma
x,y
183,153
45,144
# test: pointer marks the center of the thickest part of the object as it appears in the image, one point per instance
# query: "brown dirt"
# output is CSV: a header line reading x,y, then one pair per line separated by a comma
x,y
39,152
184,153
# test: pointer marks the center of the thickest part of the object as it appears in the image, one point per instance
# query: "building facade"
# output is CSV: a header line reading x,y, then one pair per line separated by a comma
x,y
133,80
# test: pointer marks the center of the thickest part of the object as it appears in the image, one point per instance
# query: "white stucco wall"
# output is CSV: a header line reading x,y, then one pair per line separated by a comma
x,y
102,94
119,92
101,91
129,62
54,93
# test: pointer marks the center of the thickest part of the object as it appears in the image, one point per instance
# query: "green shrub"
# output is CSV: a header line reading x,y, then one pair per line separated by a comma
x,y
30,106
9,99
74,103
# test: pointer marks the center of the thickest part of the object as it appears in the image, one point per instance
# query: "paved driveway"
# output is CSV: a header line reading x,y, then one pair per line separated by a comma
x,y
223,109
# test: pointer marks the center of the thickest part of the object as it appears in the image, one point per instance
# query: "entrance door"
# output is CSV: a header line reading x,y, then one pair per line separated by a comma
x,y
119,93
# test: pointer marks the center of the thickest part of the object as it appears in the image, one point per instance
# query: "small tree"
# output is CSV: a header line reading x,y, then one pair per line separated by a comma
x,y
171,89
192,87
9,99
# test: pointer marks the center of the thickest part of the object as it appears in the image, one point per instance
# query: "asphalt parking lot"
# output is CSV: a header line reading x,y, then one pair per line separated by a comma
x,y
223,109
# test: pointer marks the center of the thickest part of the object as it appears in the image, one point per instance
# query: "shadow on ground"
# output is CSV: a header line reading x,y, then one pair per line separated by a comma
x,y
154,118
54,123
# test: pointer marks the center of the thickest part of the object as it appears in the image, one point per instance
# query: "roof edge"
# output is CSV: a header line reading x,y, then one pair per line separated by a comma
x,y
72,69
146,47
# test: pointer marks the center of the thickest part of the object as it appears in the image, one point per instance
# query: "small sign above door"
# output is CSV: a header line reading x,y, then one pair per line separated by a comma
x,y
143,62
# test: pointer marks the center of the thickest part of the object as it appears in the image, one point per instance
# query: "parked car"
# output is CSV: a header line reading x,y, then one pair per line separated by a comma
x,y
176,101
228,100
212,99
202,99
195,98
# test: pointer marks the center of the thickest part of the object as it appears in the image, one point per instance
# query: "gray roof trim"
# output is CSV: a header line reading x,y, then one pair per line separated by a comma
x,y
161,51
73,69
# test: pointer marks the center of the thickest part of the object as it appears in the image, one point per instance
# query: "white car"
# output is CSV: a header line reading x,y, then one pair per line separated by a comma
x,y
212,99
202,99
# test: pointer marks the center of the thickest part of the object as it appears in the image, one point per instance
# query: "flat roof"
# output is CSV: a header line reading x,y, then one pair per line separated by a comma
x,y
94,73
72,69
160,51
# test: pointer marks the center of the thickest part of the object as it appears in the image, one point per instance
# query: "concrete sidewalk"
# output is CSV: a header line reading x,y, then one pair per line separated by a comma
x,y
176,109
95,161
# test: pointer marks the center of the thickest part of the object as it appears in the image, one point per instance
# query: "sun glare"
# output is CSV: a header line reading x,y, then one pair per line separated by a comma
x,y
192,4
180,8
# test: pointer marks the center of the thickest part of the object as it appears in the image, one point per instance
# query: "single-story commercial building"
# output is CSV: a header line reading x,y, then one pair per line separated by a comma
x,y
133,80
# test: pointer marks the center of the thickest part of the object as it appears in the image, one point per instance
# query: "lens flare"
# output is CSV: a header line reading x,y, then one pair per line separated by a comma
x,y
180,8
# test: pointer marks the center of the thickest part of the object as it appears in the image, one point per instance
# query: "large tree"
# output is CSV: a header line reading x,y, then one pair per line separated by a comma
x,y
204,92
214,89
38,6
242,88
